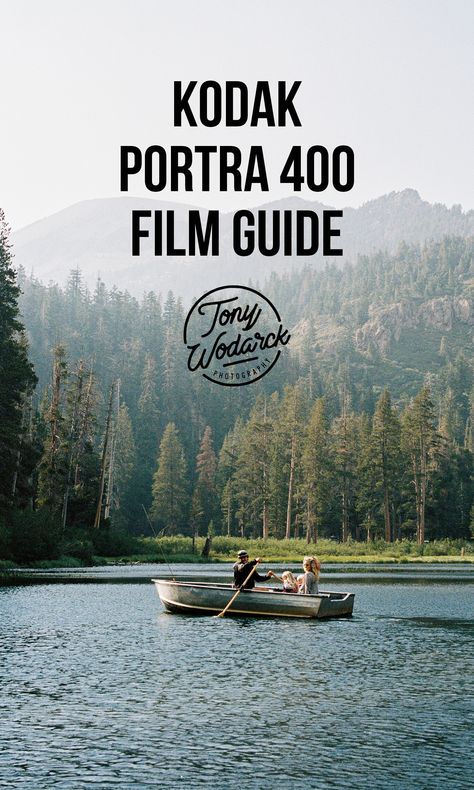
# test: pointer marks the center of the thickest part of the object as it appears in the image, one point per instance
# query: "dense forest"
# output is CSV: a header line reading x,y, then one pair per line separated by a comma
x,y
362,431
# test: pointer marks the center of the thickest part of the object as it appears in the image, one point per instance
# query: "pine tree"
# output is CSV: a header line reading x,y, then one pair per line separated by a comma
x,y
225,476
124,513
420,441
147,431
290,432
251,479
279,475
317,470
386,457
204,503
170,490
366,494
344,452
72,420
17,379
52,477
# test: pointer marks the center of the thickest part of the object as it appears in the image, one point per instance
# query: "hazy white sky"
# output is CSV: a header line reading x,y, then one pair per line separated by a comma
x,y
391,78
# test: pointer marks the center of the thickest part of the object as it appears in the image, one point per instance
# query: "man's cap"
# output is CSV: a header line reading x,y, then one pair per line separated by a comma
x,y
242,553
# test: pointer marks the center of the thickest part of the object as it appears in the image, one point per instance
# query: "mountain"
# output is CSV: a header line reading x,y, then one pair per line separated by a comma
x,y
95,236
393,320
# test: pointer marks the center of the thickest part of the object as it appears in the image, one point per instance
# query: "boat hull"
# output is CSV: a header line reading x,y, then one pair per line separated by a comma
x,y
210,599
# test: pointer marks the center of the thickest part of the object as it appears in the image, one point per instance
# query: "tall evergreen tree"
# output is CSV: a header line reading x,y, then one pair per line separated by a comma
x,y
420,441
386,457
290,433
147,431
170,489
225,476
343,440
204,504
124,512
317,470
251,479
367,499
17,378
53,469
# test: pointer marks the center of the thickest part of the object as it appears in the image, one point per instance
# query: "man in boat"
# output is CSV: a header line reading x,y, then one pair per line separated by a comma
x,y
242,568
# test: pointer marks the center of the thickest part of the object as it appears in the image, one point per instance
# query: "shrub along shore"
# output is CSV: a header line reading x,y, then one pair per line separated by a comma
x,y
180,549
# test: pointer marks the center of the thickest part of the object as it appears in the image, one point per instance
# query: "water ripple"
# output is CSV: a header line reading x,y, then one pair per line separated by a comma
x,y
101,689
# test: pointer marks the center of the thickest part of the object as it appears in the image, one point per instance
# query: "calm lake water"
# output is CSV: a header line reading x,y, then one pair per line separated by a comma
x,y
100,688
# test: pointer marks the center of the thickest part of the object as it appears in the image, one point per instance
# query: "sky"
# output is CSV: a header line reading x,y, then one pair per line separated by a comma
x,y
390,78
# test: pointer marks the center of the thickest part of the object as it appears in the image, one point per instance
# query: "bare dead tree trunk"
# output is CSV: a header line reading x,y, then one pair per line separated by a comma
x,y
345,474
387,518
103,464
296,531
84,423
308,523
423,486
229,510
110,482
290,488
72,447
265,514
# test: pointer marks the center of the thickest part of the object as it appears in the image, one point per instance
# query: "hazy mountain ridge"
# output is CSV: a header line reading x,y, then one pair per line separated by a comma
x,y
401,317
94,236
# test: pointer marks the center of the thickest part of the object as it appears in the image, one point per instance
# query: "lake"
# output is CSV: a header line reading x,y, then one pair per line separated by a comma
x,y
100,688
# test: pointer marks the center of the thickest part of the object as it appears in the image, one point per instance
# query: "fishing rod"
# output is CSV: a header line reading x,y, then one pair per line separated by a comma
x,y
158,542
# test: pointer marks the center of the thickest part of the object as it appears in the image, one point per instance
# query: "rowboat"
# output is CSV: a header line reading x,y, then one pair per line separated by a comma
x,y
208,598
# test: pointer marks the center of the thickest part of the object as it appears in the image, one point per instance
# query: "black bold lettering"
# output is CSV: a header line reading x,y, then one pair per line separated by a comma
x,y
287,226
137,232
170,248
183,169
149,165
262,96
328,231
158,233
336,168
285,104
248,234
181,103
312,248
230,89
206,119
322,184
206,151
256,163
126,168
227,168
206,237
263,247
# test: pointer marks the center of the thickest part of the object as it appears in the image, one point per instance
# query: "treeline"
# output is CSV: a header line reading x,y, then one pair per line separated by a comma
x,y
292,471
441,268
119,439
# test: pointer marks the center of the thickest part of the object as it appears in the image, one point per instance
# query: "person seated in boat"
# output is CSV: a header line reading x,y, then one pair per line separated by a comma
x,y
242,568
310,577
290,585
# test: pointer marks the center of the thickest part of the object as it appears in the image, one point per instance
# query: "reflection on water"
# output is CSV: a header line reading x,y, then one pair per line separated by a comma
x,y
210,572
101,688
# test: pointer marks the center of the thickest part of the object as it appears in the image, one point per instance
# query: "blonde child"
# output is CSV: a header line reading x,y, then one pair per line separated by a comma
x,y
289,582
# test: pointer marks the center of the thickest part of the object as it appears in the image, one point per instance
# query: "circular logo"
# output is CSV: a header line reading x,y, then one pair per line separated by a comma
x,y
234,335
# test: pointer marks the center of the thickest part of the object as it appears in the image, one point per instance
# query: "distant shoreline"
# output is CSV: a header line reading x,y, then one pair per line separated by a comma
x,y
71,563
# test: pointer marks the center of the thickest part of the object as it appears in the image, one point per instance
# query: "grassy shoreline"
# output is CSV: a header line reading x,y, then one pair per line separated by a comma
x,y
179,549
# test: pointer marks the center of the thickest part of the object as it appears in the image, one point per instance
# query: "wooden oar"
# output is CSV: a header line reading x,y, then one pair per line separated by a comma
x,y
221,614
